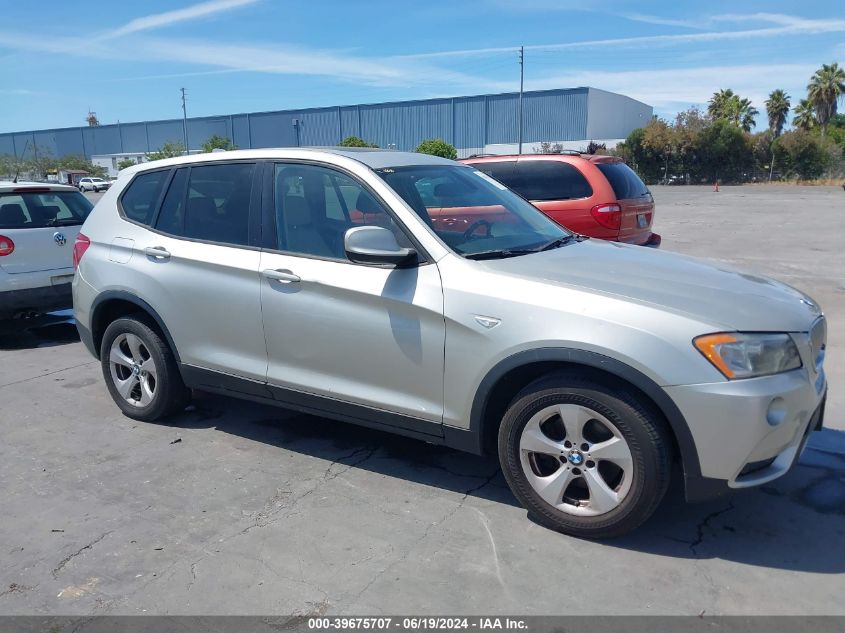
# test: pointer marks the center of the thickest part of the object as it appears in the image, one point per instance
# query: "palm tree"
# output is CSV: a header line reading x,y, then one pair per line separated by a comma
x,y
805,115
824,90
777,109
727,105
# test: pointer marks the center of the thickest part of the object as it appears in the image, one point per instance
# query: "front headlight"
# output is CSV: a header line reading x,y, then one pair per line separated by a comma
x,y
739,355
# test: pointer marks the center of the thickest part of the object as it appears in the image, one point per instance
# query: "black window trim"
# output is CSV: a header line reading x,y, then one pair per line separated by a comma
x,y
253,226
269,228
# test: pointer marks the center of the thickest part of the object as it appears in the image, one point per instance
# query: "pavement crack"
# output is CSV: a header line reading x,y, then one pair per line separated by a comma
x,y
704,524
70,557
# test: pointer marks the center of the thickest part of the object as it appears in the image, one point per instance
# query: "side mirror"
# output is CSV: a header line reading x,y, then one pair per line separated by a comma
x,y
376,245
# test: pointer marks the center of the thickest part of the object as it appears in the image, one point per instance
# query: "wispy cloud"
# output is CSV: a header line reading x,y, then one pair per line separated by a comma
x,y
192,12
670,89
655,19
786,25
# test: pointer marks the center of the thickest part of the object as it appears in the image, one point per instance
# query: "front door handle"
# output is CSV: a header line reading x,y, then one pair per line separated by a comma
x,y
157,252
285,276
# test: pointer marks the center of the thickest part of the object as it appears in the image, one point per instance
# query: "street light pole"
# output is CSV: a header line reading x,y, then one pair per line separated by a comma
x,y
521,83
184,122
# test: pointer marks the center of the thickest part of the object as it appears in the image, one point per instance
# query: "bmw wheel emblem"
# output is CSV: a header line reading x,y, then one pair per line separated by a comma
x,y
59,238
576,458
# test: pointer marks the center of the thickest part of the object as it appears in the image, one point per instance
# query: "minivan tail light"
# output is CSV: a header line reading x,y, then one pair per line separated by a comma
x,y
7,246
79,247
608,215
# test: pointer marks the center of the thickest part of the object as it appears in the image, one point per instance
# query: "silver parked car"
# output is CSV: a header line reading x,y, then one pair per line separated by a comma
x,y
414,294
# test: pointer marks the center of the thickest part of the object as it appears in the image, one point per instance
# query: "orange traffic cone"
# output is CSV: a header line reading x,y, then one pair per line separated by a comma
x,y
716,186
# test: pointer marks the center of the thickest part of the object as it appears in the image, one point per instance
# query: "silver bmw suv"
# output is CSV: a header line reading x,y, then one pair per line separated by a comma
x,y
417,295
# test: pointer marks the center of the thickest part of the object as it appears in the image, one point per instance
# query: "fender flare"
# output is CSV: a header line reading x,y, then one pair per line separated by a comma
x,y
673,415
122,295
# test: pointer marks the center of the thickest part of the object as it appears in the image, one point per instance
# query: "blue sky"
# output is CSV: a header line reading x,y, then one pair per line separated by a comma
x,y
127,60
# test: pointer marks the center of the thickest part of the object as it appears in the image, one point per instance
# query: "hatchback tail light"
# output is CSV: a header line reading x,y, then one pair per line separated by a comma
x,y
7,246
79,247
608,215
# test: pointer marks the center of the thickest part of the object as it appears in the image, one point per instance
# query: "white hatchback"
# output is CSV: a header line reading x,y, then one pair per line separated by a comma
x,y
38,227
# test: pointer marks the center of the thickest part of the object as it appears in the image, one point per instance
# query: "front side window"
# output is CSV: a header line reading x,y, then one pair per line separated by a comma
x,y
37,210
141,196
473,214
315,206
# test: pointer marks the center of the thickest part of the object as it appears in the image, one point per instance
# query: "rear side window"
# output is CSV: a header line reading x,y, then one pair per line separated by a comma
x,y
140,199
503,171
626,184
31,210
549,180
217,203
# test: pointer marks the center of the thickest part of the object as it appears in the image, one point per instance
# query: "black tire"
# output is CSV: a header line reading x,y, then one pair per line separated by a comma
x,y
96,190
170,395
640,426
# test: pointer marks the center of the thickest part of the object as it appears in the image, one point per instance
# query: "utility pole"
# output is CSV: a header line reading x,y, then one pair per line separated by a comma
x,y
184,122
521,83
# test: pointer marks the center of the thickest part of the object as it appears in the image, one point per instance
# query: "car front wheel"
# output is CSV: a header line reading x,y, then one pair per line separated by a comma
x,y
141,371
585,458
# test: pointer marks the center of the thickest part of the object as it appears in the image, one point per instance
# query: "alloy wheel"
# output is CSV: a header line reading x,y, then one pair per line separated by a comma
x,y
133,370
576,459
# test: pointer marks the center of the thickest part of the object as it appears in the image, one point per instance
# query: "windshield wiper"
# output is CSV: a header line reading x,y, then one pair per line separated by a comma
x,y
499,254
561,241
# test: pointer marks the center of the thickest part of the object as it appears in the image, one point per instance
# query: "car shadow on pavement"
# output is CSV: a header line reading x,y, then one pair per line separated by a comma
x,y
46,330
795,523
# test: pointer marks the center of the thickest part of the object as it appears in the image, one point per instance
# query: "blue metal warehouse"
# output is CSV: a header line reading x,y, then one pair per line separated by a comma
x,y
476,124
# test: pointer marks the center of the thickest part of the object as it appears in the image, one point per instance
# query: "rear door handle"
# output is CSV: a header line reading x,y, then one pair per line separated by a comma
x,y
282,275
157,252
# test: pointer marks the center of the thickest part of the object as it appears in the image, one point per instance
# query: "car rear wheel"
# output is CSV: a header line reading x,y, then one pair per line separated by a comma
x,y
141,371
585,458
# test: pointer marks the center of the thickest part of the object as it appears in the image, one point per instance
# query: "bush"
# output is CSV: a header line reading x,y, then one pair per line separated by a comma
x,y
805,155
168,150
438,147
217,142
355,141
124,163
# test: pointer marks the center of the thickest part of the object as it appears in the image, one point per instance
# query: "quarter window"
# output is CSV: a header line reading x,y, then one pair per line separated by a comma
x,y
171,217
139,201
315,206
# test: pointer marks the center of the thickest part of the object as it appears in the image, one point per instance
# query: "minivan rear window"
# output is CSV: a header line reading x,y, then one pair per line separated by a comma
x,y
31,210
626,184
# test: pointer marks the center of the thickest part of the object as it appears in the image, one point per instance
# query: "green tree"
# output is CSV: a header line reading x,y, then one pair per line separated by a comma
x,y
724,152
74,161
644,160
217,142
125,162
728,106
168,150
660,138
354,141
805,115
777,109
438,147
825,89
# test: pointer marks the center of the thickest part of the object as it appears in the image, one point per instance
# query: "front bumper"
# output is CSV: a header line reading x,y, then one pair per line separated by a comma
x,y
37,300
749,432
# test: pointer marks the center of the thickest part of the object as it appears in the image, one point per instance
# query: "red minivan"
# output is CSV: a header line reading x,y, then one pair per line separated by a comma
x,y
599,196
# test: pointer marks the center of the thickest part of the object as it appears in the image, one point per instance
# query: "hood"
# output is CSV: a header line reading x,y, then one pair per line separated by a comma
x,y
707,291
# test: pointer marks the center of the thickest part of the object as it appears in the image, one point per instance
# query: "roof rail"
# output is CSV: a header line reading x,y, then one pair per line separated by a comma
x,y
481,155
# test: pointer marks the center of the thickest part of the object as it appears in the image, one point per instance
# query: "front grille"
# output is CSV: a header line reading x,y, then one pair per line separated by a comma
x,y
818,342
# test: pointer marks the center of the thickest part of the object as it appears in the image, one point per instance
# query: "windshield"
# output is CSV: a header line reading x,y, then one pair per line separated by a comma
x,y
29,210
472,213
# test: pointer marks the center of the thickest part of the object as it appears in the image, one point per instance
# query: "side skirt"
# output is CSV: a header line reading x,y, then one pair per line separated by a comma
x,y
256,391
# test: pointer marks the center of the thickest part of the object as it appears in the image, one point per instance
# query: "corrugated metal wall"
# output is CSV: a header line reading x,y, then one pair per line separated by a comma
x,y
469,123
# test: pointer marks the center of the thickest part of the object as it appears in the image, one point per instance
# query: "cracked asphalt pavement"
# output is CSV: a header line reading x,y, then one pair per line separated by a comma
x,y
257,510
